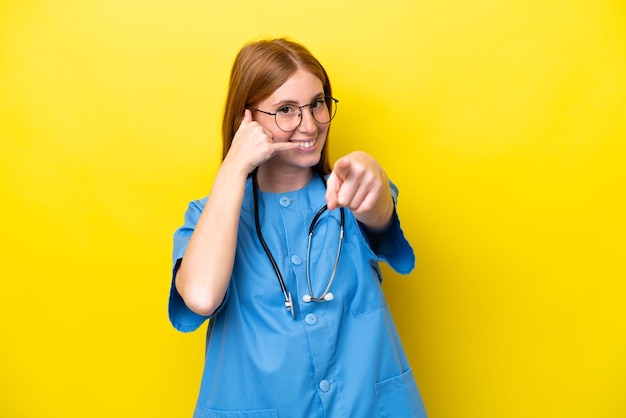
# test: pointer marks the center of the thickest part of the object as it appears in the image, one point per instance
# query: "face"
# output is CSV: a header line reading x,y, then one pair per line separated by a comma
x,y
302,88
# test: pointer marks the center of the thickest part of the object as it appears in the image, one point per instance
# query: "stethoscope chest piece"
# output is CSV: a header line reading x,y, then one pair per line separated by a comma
x,y
289,304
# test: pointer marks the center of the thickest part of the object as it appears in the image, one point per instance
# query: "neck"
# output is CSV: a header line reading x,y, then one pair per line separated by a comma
x,y
274,180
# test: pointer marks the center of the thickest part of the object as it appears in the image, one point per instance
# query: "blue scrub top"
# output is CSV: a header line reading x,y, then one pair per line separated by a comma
x,y
339,358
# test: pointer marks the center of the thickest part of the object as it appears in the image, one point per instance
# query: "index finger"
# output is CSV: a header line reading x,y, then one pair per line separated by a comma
x,y
332,191
342,168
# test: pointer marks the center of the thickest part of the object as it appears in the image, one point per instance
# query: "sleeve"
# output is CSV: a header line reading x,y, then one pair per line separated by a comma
x,y
391,246
181,317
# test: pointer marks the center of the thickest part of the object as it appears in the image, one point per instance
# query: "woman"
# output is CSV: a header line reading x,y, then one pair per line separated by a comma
x,y
282,257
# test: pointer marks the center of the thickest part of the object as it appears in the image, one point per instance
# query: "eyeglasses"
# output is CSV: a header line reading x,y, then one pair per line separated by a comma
x,y
289,117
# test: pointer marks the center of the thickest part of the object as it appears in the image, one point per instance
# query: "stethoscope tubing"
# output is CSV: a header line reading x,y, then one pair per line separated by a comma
x,y
322,297
326,295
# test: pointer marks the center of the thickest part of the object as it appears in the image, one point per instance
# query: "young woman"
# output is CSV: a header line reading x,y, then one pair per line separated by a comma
x,y
282,257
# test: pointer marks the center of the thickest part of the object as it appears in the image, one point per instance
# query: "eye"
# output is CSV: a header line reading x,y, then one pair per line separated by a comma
x,y
319,103
287,110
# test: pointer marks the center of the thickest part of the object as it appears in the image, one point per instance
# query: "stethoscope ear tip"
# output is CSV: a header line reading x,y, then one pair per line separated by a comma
x,y
324,298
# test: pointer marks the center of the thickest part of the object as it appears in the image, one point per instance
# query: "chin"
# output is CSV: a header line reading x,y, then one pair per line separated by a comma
x,y
311,161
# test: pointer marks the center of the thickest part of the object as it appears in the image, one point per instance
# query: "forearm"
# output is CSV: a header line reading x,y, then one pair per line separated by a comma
x,y
207,264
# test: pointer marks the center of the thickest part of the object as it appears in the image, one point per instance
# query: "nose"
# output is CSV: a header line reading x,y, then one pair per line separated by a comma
x,y
308,122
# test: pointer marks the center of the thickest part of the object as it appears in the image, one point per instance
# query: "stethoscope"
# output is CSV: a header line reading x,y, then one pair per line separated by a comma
x,y
326,295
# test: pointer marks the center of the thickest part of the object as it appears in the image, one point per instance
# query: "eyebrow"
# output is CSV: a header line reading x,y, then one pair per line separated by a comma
x,y
289,101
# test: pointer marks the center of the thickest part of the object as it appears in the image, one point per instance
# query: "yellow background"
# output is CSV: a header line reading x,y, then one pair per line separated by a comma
x,y
502,122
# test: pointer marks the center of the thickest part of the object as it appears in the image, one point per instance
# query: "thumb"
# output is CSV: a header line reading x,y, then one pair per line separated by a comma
x,y
247,117
241,122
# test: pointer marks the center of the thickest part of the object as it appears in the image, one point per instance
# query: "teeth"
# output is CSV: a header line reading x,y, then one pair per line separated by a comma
x,y
307,144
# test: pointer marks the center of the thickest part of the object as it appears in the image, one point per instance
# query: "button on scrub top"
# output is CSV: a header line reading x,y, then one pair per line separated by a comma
x,y
339,358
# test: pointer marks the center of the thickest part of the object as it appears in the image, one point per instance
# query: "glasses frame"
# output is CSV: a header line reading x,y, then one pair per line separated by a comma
x,y
327,99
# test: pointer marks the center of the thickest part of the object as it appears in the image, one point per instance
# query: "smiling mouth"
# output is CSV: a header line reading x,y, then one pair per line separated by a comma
x,y
307,144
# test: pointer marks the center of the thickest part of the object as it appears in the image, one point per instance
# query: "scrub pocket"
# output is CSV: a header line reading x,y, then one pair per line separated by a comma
x,y
210,413
399,397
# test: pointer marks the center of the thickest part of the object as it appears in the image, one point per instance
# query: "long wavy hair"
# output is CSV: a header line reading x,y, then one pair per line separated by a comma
x,y
259,69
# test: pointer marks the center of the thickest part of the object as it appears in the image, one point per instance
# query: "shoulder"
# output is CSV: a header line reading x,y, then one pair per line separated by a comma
x,y
197,205
194,210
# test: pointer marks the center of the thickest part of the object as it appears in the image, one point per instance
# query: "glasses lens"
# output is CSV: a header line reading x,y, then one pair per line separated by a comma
x,y
288,118
324,109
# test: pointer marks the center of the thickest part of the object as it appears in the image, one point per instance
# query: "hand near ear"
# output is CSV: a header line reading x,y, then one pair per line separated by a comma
x,y
359,183
253,144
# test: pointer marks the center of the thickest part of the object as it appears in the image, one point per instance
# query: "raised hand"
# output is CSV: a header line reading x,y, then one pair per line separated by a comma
x,y
253,145
359,183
